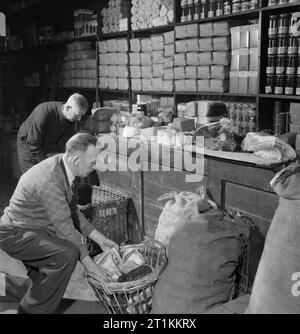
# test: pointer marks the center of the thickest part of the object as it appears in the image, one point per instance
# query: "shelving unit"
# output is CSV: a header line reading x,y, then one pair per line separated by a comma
x,y
260,14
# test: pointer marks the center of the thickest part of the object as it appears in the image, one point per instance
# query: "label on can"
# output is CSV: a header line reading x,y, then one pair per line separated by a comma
x,y
269,90
291,70
282,50
278,90
270,70
280,69
298,91
289,91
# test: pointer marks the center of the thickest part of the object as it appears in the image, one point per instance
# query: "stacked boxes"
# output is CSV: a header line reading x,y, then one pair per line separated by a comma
x,y
79,66
151,63
115,17
201,65
113,68
244,59
148,14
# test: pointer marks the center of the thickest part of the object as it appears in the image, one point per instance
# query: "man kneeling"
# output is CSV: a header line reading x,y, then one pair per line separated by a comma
x,y
43,227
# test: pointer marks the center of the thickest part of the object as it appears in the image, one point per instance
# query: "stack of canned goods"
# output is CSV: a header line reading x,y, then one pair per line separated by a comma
x,y
283,67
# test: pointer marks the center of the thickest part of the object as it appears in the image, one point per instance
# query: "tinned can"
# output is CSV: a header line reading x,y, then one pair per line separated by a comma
x,y
281,62
273,25
270,82
292,45
273,45
279,85
289,85
291,65
282,44
271,65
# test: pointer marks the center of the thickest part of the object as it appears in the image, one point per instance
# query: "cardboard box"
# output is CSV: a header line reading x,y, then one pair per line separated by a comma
x,y
243,82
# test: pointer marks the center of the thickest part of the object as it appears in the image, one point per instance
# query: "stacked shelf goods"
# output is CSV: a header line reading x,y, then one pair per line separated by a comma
x,y
244,59
151,63
201,65
85,23
113,69
79,66
115,17
149,14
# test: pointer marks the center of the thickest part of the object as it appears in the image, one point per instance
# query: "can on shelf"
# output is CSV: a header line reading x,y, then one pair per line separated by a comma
x,y
283,24
273,45
289,85
270,82
282,44
273,25
281,62
292,45
279,84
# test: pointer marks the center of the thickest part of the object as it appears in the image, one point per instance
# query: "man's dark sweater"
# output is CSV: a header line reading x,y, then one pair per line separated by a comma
x,y
45,131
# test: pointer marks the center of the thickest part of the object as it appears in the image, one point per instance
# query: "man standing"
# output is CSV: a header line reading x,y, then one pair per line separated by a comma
x,y
43,227
47,129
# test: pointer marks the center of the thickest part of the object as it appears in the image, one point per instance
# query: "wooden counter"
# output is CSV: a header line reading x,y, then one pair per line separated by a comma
x,y
231,183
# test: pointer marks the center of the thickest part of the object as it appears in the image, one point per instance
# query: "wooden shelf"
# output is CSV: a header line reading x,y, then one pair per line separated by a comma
x,y
279,97
113,35
152,93
154,30
78,89
278,8
114,91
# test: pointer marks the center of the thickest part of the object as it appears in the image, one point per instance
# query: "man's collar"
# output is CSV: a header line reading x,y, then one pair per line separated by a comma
x,y
70,175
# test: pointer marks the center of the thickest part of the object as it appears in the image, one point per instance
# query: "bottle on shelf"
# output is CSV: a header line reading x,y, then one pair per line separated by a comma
x,y
245,5
196,10
279,85
211,9
183,10
227,7
273,25
204,9
270,82
219,8
289,85
236,6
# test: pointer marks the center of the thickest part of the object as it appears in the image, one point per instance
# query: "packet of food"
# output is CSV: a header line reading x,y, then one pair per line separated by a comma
x,y
132,259
110,261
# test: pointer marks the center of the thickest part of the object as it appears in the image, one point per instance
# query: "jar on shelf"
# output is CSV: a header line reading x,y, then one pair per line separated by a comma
x,y
289,85
271,65
283,24
196,10
281,62
219,8
270,82
279,84
273,45
282,44
204,10
184,8
211,8
245,5
236,6
291,66
292,45
297,91
227,7
273,25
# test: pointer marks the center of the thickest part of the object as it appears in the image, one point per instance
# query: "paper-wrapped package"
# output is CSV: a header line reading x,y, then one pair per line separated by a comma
x,y
147,72
112,83
222,44
180,32
203,72
136,84
206,29
206,44
180,59
104,83
168,85
169,50
169,62
203,86
191,72
180,85
135,72
192,45
221,58
147,85
135,45
158,70
219,86
191,30
157,42
169,37
192,59
135,59
181,46
157,84
122,71
146,45
205,58
122,59
103,59
90,64
146,59
191,85
112,58
112,45
191,109
179,73
158,57
221,28
219,72
122,45
184,124
91,74
112,71
103,47
123,84
168,74
103,71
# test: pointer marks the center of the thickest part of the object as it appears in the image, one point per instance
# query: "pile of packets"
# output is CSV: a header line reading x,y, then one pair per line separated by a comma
x,y
130,267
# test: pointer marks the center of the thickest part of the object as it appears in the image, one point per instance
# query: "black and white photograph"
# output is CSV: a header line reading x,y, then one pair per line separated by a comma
x,y
149,160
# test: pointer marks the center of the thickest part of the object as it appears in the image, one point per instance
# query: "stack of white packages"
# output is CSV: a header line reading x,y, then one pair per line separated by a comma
x,y
79,68
115,17
151,63
148,14
113,68
202,64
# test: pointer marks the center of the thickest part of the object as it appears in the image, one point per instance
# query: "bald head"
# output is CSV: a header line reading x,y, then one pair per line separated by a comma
x,y
76,107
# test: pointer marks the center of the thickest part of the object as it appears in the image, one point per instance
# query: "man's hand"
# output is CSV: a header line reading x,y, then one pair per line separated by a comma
x,y
102,241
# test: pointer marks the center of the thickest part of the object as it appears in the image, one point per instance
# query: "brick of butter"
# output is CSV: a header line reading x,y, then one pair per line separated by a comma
x,y
112,45
168,74
192,45
179,73
204,85
147,85
146,59
206,30
157,42
135,58
123,84
181,46
221,44
168,85
169,50
219,72
122,71
157,84
135,45
295,128
180,59
191,72
122,59
203,72
136,84
206,44
135,72
192,58
122,45
221,58
221,29
184,124
146,45
169,37
147,72
158,70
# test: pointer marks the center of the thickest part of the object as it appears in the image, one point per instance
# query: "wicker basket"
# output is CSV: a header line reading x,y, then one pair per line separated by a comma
x,y
133,297
108,214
